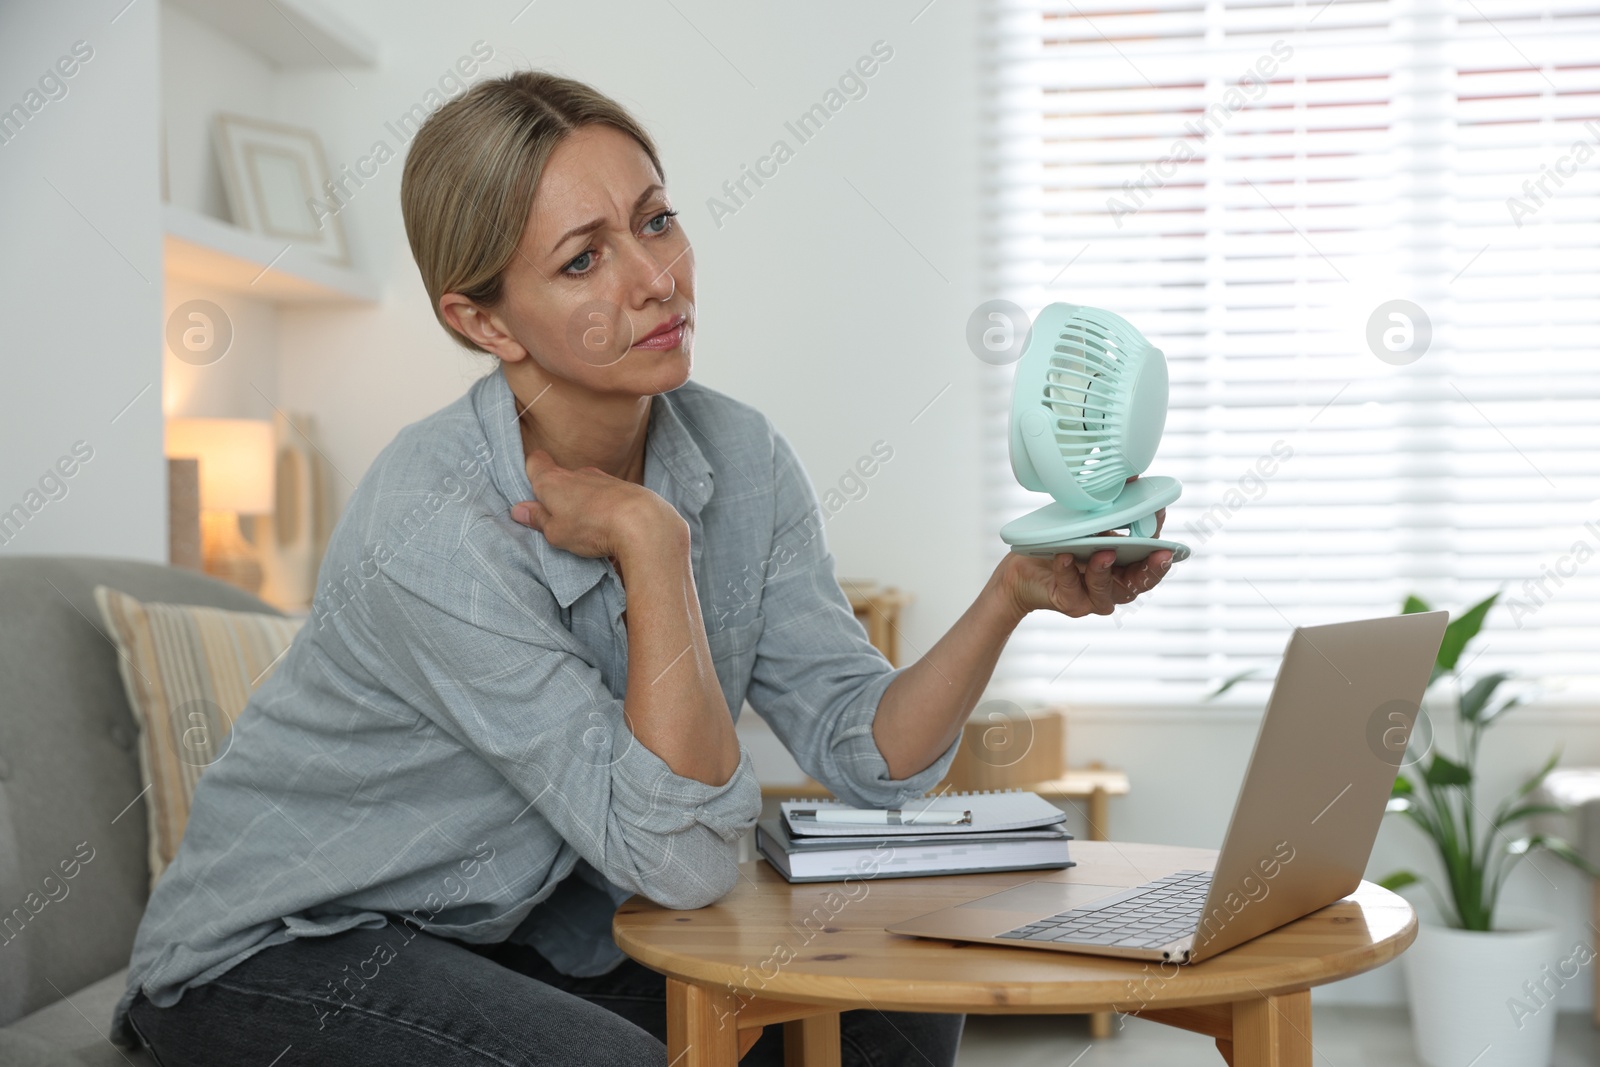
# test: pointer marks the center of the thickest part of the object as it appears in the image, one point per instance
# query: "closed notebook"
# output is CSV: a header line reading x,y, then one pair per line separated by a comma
x,y
1009,809
824,859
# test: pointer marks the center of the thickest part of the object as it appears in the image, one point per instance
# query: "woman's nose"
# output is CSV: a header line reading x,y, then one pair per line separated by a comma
x,y
652,275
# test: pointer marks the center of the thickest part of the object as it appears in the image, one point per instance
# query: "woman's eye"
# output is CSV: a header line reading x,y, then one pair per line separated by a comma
x,y
658,225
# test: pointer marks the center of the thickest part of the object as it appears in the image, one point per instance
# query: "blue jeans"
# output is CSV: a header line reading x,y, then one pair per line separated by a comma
x,y
394,996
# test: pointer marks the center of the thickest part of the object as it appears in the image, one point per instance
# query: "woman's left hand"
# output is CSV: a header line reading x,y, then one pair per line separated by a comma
x,y
1075,588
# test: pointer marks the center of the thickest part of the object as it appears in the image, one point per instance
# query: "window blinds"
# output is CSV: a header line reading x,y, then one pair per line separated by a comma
x,y
1254,186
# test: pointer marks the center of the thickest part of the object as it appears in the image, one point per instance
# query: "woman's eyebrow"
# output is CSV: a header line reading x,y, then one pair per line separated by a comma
x,y
595,224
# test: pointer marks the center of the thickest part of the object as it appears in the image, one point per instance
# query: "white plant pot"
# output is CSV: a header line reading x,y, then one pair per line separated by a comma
x,y
1487,999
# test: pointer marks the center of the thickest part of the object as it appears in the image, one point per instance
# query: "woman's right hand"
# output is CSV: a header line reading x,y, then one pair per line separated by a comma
x,y
590,513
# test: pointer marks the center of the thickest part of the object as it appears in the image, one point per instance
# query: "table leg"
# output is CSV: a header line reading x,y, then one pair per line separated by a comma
x,y
1268,1031
812,1042
1098,814
1272,1031
702,1026
711,1027
1100,1021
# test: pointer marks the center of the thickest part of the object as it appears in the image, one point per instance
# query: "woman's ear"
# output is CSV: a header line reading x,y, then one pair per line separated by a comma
x,y
481,326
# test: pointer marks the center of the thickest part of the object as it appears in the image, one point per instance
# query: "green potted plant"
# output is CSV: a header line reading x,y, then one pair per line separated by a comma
x,y
1477,980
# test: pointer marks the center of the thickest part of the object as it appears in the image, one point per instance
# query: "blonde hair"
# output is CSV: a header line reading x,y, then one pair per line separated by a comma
x,y
469,178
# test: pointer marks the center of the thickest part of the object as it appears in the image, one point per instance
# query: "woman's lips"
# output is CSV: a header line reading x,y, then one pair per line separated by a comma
x,y
664,340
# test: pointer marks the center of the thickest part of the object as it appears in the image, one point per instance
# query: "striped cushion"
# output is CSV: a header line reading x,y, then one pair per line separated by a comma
x,y
188,672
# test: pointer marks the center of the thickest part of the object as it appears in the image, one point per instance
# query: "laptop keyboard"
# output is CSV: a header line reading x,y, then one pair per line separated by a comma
x,y
1147,916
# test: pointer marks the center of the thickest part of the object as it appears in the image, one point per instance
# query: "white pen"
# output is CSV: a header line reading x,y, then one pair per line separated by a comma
x,y
889,817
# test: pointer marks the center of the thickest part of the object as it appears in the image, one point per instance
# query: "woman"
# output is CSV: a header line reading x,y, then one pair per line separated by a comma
x,y
514,704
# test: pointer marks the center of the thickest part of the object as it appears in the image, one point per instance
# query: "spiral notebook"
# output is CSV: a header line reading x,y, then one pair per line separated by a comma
x,y
992,809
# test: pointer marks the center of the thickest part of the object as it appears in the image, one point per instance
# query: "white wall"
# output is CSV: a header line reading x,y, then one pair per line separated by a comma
x,y
202,73
812,307
80,284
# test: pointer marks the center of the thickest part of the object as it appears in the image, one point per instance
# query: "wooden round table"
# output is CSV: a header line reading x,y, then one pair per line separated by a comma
x,y
770,952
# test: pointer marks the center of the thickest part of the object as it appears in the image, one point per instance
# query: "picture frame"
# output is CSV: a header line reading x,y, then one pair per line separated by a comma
x,y
272,173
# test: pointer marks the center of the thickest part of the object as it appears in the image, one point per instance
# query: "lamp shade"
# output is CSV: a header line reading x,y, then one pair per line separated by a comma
x,y
236,461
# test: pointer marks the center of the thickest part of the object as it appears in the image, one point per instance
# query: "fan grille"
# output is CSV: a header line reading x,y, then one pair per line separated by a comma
x,y
1087,390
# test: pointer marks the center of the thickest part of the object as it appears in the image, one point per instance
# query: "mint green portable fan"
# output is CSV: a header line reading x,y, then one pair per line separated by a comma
x,y
1087,409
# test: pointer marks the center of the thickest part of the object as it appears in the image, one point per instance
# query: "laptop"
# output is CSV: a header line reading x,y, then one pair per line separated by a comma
x,y
1325,759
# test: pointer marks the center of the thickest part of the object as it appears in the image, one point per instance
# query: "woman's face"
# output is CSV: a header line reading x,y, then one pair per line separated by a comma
x,y
601,266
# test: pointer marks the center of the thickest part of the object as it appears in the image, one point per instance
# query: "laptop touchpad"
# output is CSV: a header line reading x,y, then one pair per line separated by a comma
x,y
1044,898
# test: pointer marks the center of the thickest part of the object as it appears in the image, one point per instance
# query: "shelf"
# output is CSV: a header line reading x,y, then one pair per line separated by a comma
x,y
287,33
202,249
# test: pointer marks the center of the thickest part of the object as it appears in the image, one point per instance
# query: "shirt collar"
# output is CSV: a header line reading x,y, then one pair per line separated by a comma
x,y
670,442
675,468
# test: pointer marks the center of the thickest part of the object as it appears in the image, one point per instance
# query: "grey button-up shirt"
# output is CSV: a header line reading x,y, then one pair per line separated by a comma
x,y
444,741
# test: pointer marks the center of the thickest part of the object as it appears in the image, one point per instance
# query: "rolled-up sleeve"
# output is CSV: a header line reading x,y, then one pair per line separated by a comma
x,y
495,669
817,679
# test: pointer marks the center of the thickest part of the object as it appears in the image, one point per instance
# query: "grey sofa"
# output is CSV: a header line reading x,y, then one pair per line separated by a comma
x,y
69,774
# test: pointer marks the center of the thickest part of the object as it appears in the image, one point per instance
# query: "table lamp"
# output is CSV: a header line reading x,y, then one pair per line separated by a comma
x,y
236,478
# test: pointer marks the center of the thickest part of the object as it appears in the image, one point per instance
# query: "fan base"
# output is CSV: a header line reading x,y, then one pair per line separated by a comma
x,y
1128,549
1054,523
